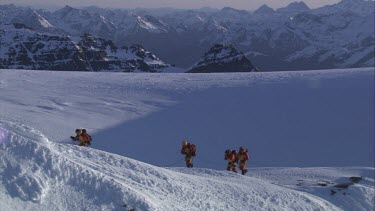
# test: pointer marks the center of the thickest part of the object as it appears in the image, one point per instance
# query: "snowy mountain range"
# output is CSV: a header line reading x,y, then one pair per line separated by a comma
x,y
24,48
291,38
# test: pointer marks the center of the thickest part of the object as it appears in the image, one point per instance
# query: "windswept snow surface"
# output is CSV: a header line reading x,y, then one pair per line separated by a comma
x,y
295,119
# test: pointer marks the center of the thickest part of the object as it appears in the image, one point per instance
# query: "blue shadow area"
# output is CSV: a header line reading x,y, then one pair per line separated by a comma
x,y
299,123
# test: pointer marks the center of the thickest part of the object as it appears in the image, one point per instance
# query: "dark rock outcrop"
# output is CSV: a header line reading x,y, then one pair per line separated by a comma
x,y
223,58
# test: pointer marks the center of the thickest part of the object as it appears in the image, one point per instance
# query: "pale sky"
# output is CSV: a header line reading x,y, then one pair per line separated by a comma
x,y
184,4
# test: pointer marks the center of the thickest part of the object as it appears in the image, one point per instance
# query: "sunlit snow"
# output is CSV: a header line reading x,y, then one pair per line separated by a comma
x,y
308,133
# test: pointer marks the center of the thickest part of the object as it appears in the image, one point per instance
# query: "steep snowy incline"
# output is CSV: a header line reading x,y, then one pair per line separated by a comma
x,y
39,175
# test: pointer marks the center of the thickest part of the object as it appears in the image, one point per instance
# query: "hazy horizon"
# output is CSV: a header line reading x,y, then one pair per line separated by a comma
x,y
178,4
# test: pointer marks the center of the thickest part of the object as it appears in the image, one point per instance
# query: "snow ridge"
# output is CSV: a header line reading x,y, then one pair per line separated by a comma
x,y
34,170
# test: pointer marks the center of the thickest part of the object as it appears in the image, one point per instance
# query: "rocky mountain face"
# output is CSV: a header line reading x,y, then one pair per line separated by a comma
x,y
223,58
23,48
102,55
291,38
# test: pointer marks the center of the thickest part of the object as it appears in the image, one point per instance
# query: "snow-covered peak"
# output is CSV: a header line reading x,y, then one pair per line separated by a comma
x,y
223,58
264,9
104,55
331,30
78,21
294,8
24,48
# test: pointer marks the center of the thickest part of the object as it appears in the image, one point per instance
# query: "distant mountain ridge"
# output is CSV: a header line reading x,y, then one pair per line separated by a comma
x,y
290,38
223,58
294,8
23,48
264,9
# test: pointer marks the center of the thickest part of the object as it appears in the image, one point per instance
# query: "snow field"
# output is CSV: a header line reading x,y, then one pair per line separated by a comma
x,y
304,119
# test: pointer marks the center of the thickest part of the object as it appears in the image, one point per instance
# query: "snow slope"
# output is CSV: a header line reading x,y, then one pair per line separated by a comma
x,y
296,119
74,178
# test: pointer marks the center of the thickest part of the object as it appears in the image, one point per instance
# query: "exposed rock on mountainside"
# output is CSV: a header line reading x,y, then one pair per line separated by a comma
x,y
102,54
23,48
223,58
291,38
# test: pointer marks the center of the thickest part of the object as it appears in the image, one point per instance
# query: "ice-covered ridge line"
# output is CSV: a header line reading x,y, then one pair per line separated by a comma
x,y
32,169
34,172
